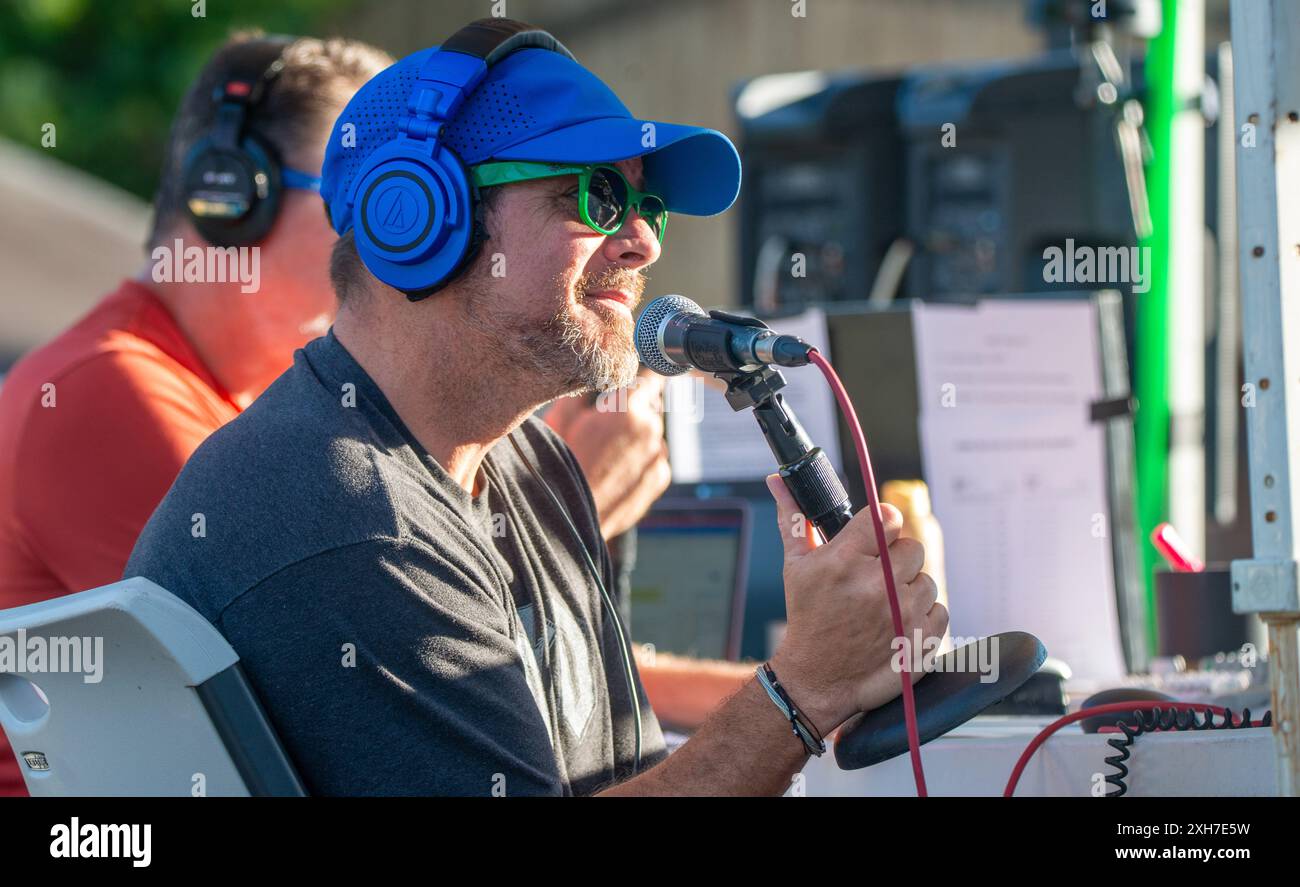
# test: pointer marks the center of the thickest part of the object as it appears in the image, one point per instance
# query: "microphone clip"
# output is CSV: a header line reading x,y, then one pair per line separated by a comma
x,y
751,388
738,319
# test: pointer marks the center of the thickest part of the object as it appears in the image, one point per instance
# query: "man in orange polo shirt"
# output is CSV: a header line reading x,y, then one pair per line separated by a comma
x,y
95,425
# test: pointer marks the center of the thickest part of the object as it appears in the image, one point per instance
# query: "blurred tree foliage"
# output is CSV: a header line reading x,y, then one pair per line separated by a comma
x,y
109,74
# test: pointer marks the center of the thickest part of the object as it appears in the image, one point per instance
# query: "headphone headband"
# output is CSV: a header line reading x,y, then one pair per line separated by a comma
x,y
248,82
492,39
244,89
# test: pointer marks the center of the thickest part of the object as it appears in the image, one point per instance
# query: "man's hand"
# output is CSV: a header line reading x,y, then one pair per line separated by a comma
x,y
621,451
836,657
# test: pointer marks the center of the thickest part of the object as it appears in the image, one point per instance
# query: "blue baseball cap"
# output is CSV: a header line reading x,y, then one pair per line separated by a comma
x,y
537,105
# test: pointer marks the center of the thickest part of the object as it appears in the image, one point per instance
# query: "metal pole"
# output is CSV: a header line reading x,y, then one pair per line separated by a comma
x,y
1266,41
1186,269
1227,340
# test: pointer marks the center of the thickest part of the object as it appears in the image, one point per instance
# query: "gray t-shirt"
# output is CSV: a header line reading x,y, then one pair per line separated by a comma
x,y
404,636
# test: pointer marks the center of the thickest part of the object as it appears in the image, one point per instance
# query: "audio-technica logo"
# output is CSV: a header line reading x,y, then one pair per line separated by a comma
x,y
91,841
396,210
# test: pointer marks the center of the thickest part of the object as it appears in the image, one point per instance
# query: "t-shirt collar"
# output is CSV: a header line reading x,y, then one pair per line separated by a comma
x,y
331,359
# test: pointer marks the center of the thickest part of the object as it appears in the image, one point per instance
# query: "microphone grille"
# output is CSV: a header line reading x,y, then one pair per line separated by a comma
x,y
647,332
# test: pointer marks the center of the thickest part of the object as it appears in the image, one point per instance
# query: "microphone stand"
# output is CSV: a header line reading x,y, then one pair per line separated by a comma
x,y
807,471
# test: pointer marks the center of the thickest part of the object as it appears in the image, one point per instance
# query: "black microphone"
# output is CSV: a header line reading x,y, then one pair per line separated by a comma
x,y
673,335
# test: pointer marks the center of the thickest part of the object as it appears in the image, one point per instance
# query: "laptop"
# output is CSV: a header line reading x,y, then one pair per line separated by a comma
x,y
688,584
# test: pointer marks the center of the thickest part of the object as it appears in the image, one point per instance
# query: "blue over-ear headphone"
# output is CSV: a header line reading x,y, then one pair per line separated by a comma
x,y
415,215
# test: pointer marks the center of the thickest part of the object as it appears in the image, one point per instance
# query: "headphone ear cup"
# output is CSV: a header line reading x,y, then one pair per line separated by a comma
x,y
232,196
257,224
414,218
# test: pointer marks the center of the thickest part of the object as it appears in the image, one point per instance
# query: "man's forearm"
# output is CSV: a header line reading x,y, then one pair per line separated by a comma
x,y
745,748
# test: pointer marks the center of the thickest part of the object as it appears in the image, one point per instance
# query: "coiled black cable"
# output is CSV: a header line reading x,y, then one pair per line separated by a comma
x,y
1156,719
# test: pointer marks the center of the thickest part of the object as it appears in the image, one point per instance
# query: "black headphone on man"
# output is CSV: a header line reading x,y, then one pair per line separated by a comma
x,y
232,178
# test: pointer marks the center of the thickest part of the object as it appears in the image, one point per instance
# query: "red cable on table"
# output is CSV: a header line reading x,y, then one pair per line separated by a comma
x,y
1110,708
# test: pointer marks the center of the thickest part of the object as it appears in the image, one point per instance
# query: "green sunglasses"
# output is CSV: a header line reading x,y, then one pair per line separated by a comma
x,y
604,195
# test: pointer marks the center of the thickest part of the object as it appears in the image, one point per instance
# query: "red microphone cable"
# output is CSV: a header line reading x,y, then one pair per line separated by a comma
x,y
878,520
1110,708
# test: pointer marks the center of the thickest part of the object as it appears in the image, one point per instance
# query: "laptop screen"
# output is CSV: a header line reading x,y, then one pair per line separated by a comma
x,y
688,583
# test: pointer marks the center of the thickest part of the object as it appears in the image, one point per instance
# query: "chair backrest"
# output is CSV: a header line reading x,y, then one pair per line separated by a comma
x,y
127,690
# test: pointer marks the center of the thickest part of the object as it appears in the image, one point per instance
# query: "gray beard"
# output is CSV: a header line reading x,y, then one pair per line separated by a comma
x,y
587,365
559,351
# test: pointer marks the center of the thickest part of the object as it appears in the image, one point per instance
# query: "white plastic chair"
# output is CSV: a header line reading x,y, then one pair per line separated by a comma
x,y
170,714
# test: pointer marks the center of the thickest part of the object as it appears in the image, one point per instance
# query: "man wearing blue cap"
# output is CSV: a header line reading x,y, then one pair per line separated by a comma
x,y
407,562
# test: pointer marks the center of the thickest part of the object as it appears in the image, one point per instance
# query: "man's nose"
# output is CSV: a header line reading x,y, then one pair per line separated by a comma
x,y
635,244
